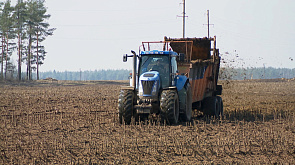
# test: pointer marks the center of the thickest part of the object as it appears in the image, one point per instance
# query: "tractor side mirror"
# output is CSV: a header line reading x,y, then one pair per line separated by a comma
x,y
181,57
125,56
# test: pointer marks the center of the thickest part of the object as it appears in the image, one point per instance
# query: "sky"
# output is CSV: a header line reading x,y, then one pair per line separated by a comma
x,y
94,34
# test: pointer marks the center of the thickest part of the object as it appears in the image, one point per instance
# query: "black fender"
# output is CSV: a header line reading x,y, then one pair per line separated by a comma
x,y
182,95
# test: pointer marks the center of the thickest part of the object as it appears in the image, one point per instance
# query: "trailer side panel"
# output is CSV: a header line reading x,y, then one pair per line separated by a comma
x,y
201,64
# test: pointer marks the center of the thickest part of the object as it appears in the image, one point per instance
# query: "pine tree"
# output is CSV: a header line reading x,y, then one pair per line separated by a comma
x,y
20,17
2,40
26,24
37,30
8,33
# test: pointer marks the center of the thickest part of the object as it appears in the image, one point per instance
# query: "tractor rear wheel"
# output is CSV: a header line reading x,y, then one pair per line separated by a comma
x,y
125,106
169,105
220,102
211,106
187,115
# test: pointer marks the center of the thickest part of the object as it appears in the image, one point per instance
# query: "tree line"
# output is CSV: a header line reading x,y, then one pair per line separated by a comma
x,y
23,28
123,74
226,73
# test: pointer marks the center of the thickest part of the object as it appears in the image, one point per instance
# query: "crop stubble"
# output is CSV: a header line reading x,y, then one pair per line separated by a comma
x,y
77,123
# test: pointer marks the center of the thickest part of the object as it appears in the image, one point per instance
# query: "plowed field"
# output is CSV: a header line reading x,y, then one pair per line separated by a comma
x,y
64,122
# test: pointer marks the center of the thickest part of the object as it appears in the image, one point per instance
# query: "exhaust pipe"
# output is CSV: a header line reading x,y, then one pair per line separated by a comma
x,y
134,69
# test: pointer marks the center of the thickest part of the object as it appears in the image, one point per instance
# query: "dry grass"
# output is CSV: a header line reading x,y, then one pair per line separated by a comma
x,y
77,123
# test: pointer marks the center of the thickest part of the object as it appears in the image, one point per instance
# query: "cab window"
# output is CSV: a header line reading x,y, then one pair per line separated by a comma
x,y
174,65
158,63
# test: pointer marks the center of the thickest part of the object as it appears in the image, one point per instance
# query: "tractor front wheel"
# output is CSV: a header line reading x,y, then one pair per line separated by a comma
x,y
169,105
125,106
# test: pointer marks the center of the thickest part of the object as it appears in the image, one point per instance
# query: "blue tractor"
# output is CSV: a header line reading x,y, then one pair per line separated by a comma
x,y
156,89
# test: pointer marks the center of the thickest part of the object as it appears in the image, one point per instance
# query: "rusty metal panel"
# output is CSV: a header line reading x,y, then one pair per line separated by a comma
x,y
197,48
200,86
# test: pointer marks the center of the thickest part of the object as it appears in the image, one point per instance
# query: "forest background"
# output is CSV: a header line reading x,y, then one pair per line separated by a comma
x,y
226,73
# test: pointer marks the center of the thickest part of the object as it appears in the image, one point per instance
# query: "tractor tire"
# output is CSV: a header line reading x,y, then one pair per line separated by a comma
x,y
220,102
125,106
169,105
187,113
211,107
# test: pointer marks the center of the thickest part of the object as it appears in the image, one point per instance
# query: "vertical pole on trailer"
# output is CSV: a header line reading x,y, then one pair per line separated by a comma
x,y
164,46
214,67
186,54
191,51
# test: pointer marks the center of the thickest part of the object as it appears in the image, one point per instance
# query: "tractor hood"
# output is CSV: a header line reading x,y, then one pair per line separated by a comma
x,y
149,84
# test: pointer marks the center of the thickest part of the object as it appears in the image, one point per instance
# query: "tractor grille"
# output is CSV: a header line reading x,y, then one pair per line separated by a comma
x,y
147,87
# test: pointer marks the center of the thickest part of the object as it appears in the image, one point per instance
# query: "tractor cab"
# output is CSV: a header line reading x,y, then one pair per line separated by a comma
x,y
156,71
162,63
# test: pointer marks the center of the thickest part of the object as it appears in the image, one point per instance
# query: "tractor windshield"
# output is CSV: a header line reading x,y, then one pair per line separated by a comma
x,y
158,63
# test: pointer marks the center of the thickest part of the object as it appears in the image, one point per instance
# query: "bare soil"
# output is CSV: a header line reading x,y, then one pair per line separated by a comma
x,y
66,122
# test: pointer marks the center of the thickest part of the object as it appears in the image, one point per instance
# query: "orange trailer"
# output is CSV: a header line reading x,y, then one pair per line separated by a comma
x,y
200,62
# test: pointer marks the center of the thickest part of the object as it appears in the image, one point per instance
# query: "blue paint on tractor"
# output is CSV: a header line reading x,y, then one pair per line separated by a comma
x,y
180,82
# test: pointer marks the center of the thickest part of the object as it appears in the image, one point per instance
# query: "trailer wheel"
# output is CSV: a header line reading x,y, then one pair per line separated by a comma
x,y
169,105
211,106
220,102
187,115
125,106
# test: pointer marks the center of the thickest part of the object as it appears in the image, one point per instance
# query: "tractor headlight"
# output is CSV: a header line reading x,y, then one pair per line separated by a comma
x,y
155,88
